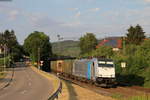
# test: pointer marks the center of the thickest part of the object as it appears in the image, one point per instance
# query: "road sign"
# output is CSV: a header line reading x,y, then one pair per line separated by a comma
x,y
123,64
41,63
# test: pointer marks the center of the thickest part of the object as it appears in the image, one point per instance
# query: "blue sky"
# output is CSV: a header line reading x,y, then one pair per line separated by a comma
x,y
71,19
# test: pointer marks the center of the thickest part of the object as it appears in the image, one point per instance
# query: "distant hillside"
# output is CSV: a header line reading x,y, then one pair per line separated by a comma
x,y
66,48
71,48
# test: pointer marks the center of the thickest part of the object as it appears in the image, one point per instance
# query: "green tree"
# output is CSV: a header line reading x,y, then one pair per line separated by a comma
x,y
103,51
9,39
37,43
87,43
135,35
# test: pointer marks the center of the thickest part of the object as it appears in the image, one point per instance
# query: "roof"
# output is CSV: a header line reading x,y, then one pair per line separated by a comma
x,y
115,42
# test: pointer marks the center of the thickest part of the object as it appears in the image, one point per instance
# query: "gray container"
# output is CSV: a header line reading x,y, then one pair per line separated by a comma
x,y
80,68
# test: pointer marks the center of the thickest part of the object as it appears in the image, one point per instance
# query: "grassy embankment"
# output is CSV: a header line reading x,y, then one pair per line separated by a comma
x,y
2,72
72,91
141,97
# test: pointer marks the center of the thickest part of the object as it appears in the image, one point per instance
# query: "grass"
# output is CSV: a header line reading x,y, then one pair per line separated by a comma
x,y
117,96
2,75
7,61
142,97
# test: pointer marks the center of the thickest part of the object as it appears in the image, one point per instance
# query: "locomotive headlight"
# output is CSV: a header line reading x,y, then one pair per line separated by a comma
x,y
112,80
112,75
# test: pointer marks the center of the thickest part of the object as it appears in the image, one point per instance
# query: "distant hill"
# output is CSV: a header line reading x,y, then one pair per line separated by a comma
x,y
71,48
66,48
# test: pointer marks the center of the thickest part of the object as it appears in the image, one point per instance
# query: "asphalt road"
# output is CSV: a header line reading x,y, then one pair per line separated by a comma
x,y
27,85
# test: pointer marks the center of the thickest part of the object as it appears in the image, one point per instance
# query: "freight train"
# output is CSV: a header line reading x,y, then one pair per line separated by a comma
x,y
100,71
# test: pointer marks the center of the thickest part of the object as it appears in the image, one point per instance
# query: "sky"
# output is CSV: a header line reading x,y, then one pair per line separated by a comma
x,y
71,19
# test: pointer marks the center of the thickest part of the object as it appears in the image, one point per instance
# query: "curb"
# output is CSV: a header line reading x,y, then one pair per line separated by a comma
x,y
6,84
57,88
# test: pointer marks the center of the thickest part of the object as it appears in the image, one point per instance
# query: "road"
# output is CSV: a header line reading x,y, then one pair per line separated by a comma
x,y
27,85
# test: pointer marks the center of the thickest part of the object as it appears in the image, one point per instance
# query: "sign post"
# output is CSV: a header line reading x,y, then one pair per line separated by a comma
x,y
123,64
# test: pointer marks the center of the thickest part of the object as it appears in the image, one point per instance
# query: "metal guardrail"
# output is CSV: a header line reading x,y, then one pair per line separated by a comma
x,y
55,95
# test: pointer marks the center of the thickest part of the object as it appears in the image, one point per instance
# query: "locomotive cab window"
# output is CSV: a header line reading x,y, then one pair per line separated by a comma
x,y
105,64
109,64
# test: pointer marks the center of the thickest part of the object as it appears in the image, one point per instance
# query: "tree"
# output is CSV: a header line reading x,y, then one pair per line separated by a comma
x,y
87,43
9,39
37,44
103,51
135,35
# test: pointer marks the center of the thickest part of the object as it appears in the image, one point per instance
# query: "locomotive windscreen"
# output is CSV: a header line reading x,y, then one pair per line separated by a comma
x,y
105,63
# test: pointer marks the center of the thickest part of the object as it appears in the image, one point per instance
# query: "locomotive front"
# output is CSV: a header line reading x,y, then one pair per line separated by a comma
x,y
105,71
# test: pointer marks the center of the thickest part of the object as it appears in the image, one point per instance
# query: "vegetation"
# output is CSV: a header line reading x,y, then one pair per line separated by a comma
x,y
66,48
135,35
7,61
36,45
102,51
87,43
121,97
137,71
117,96
9,41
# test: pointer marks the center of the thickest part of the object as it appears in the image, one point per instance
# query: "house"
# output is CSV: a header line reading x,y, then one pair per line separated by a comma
x,y
114,42
1,49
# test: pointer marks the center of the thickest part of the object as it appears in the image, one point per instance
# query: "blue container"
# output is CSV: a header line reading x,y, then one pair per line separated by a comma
x,y
83,68
89,70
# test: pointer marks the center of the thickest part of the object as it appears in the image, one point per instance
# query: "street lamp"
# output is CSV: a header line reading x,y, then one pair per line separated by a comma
x,y
59,39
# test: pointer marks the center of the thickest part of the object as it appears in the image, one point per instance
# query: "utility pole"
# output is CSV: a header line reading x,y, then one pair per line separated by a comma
x,y
38,58
124,45
4,57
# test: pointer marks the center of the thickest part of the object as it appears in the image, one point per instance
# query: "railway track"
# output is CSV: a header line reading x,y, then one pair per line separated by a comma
x,y
123,91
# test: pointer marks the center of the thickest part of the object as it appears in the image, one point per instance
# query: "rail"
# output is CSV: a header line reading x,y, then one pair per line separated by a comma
x,y
55,95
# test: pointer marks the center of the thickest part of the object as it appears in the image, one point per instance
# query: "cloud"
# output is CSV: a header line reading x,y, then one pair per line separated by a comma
x,y
72,24
94,9
40,20
73,9
147,1
78,14
13,14
10,12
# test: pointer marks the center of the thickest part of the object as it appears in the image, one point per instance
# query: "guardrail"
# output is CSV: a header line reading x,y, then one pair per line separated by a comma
x,y
55,95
